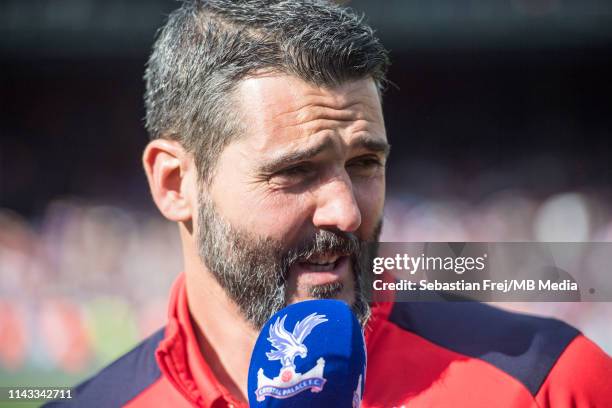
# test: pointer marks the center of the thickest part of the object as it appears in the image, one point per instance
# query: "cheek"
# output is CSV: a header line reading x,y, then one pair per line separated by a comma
x,y
370,198
252,207
278,216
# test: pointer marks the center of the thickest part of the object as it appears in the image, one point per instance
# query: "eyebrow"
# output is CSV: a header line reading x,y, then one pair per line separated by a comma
x,y
372,144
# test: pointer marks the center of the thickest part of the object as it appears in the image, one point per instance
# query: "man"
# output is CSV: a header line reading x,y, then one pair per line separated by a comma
x,y
268,150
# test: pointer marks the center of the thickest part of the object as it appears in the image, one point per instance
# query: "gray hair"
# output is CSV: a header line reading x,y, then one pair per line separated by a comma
x,y
207,47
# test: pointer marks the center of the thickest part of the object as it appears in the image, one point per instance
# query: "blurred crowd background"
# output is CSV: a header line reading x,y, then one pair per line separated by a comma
x,y
499,114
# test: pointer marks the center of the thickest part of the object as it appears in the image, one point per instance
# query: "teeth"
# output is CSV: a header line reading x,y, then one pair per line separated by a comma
x,y
323,259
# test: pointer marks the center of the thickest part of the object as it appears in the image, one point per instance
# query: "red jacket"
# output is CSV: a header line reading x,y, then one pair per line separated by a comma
x,y
419,355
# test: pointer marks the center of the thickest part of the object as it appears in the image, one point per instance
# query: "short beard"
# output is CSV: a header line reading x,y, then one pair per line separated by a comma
x,y
253,270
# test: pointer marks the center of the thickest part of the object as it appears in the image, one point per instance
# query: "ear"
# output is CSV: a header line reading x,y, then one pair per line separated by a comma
x,y
171,174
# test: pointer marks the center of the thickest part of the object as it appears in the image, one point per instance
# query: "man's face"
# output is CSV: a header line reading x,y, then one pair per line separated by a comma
x,y
295,200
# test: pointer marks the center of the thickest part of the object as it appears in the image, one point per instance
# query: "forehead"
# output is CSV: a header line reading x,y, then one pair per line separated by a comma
x,y
284,110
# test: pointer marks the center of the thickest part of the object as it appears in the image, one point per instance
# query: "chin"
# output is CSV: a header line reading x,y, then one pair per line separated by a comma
x,y
335,290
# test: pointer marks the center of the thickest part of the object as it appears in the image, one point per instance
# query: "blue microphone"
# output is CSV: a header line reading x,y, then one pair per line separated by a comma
x,y
309,354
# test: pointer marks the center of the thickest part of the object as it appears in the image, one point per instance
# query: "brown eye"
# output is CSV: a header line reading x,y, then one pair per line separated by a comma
x,y
365,166
294,175
368,163
296,171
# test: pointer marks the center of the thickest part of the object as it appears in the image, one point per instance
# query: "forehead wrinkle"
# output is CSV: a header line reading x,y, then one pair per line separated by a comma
x,y
312,111
302,136
374,130
332,127
295,114
325,121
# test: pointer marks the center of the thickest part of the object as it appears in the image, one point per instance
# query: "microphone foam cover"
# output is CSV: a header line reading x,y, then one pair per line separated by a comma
x,y
309,354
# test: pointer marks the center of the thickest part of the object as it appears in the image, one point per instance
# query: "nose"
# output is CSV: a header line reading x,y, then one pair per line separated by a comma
x,y
336,206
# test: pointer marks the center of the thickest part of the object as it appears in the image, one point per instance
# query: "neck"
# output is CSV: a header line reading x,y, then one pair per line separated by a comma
x,y
225,339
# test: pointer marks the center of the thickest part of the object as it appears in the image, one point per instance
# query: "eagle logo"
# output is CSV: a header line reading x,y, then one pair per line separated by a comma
x,y
290,345
287,346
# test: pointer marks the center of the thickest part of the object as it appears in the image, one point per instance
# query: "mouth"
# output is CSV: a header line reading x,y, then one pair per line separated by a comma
x,y
322,262
322,269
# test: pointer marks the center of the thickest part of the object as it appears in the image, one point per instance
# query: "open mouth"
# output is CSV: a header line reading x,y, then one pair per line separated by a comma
x,y
320,271
323,262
